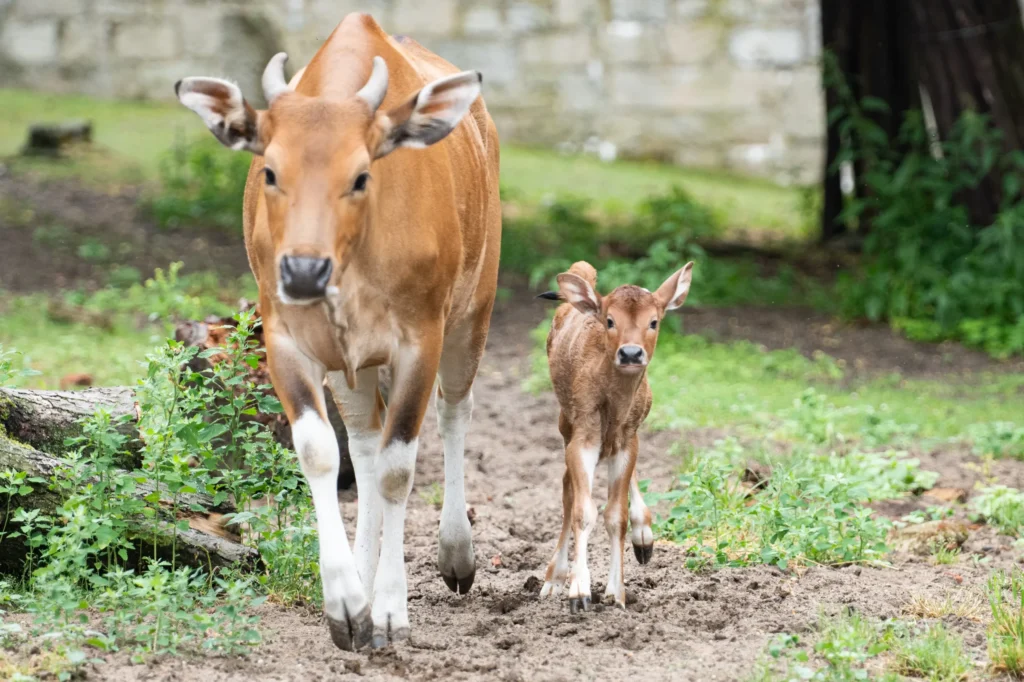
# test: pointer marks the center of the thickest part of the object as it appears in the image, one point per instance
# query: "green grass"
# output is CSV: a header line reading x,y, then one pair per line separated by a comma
x,y
109,332
130,135
52,349
698,382
850,647
533,176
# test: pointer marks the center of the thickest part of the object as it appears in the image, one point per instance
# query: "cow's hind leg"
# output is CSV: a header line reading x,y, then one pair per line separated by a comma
x,y
298,382
460,359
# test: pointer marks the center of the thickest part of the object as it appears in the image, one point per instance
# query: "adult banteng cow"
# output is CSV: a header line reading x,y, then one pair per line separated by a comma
x,y
372,225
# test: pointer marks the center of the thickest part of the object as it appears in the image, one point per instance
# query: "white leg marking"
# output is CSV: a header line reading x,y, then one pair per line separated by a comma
x,y
395,468
561,567
640,531
317,449
616,587
579,585
455,558
362,449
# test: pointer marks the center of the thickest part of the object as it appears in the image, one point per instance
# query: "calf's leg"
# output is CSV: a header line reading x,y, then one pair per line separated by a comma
x,y
581,460
640,523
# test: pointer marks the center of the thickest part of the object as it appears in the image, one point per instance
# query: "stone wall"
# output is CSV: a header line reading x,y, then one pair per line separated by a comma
x,y
709,83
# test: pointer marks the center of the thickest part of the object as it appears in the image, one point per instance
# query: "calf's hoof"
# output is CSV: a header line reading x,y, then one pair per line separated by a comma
x,y
577,604
643,553
459,585
352,633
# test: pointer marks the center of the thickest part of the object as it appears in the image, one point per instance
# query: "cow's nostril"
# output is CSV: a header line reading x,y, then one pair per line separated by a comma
x,y
631,355
305,277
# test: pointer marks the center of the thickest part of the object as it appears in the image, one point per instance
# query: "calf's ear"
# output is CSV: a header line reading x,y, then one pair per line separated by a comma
x,y
672,293
579,293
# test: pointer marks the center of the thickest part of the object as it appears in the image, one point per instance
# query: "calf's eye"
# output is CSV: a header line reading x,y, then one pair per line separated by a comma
x,y
654,324
360,184
611,323
270,178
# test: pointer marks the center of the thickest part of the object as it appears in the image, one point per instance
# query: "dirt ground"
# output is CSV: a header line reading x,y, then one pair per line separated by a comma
x,y
679,625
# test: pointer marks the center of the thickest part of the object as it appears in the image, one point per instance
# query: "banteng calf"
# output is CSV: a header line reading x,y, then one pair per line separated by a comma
x,y
598,351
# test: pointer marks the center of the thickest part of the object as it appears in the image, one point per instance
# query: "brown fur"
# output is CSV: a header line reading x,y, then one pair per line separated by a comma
x,y
414,255
603,403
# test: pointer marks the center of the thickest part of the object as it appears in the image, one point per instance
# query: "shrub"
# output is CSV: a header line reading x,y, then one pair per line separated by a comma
x,y
928,270
202,185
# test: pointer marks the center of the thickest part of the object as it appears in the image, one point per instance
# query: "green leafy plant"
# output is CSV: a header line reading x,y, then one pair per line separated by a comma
x,y
1001,507
928,270
100,569
997,439
201,184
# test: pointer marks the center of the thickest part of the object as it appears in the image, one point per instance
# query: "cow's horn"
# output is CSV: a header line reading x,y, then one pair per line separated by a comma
x,y
273,78
375,89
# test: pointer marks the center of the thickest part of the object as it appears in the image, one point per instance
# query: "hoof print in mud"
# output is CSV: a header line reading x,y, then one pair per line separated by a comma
x,y
459,585
577,604
352,635
643,553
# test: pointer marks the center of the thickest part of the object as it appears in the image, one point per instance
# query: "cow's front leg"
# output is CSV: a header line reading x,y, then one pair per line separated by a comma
x,y
298,382
362,409
413,375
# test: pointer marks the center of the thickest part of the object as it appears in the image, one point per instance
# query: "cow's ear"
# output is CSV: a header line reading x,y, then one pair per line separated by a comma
x,y
429,115
224,110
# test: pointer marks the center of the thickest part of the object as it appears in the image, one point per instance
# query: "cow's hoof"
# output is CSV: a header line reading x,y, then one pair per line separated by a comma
x,y
353,633
643,553
459,585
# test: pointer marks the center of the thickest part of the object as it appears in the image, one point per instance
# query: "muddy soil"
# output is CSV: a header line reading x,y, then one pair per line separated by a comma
x,y
57,234
679,625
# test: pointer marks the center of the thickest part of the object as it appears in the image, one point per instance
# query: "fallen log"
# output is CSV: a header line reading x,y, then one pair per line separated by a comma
x,y
49,139
44,419
193,546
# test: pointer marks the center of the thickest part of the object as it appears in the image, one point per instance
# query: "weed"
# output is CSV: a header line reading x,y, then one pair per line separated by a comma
x,y
810,512
1001,507
944,556
997,439
936,655
433,495
1006,632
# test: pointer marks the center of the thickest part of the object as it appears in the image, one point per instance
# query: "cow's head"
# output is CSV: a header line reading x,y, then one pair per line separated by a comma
x,y
318,154
630,315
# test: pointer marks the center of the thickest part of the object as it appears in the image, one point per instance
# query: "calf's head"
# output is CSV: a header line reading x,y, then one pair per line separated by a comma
x,y
319,152
630,315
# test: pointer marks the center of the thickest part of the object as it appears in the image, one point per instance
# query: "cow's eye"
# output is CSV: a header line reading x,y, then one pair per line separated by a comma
x,y
611,323
654,324
360,183
270,177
